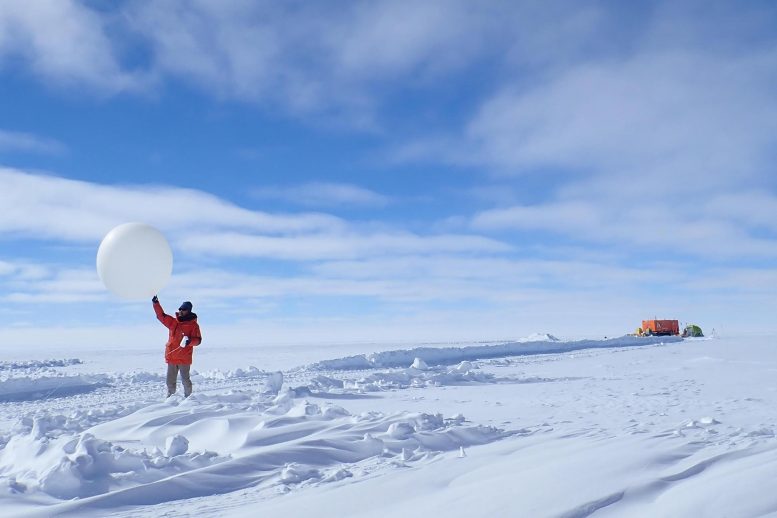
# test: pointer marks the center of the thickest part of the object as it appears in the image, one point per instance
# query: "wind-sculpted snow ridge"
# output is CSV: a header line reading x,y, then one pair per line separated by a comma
x,y
197,376
137,377
38,364
51,425
176,449
27,388
451,355
464,373
539,337
216,374
41,385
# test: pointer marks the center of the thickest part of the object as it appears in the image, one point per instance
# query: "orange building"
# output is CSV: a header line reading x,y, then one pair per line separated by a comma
x,y
660,327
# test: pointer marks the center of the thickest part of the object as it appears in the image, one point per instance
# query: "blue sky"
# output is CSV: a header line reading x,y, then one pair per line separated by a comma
x,y
379,171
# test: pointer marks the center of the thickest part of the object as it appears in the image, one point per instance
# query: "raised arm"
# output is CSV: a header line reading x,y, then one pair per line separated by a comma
x,y
163,317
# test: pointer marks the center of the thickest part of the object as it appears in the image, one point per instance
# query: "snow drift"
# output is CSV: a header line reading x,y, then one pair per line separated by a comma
x,y
448,355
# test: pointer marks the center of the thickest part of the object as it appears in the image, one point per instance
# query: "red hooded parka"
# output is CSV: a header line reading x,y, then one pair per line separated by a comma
x,y
179,327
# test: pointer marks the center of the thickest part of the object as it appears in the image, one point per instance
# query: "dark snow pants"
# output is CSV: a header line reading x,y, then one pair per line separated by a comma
x,y
172,374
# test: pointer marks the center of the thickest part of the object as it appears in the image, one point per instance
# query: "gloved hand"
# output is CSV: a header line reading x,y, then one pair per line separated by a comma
x,y
155,299
185,342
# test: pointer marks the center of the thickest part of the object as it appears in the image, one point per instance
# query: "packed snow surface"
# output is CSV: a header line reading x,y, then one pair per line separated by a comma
x,y
536,427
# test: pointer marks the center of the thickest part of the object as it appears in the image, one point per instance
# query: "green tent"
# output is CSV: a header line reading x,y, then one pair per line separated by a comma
x,y
692,330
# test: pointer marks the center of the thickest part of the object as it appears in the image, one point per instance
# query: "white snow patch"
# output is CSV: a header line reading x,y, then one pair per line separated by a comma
x,y
539,337
176,445
420,364
273,383
462,374
38,364
449,355
177,448
32,388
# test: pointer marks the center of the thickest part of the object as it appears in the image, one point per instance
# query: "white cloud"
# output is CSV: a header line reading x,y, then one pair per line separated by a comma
x,y
566,218
383,39
718,230
692,120
324,194
22,270
340,245
670,141
29,282
306,58
499,279
18,141
6,268
63,41
752,208
409,278
310,57
382,276
52,208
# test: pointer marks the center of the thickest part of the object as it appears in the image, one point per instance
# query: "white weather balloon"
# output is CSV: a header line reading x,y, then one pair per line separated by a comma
x,y
134,261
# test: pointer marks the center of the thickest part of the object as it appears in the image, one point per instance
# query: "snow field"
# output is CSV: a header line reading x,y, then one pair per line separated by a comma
x,y
174,449
265,435
665,428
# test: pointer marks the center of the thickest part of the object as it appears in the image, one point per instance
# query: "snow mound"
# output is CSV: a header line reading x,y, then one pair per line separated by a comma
x,y
176,445
249,373
450,355
216,374
84,465
419,364
177,448
323,383
47,424
702,422
38,364
138,377
462,374
539,337
273,383
27,388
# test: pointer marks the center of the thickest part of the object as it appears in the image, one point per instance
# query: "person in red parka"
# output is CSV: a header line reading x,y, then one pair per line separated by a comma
x,y
183,337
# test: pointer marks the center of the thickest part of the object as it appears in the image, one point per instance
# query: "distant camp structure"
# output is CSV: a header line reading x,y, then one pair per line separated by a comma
x,y
658,327
692,330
